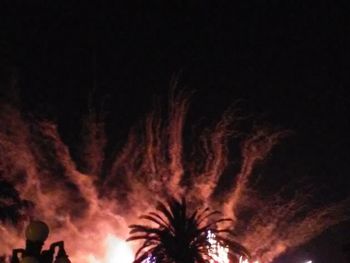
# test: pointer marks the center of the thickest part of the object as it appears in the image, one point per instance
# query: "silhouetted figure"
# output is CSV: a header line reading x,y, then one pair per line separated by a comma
x,y
36,234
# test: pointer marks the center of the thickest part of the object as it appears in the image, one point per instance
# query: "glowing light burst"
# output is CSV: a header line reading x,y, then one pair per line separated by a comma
x,y
117,250
217,252
244,260
83,199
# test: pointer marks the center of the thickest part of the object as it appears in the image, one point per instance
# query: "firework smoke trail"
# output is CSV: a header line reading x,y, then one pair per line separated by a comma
x,y
255,148
86,201
38,164
214,146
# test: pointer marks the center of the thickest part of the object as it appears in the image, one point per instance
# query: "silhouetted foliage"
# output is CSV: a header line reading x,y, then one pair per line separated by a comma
x,y
180,237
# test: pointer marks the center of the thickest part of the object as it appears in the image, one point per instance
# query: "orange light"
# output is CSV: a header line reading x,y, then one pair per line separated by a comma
x,y
117,250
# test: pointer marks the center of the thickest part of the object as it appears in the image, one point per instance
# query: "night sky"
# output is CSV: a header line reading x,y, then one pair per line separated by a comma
x,y
285,62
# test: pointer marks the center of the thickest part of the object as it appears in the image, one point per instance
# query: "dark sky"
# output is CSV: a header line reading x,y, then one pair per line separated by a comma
x,y
287,61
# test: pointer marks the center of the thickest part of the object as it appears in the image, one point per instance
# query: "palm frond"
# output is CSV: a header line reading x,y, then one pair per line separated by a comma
x,y
180,237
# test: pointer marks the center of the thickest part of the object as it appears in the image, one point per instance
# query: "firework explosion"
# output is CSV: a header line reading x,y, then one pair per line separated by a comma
x,y
89,202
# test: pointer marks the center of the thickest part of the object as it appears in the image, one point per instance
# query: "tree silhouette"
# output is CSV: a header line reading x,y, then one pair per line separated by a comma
x,y
180,237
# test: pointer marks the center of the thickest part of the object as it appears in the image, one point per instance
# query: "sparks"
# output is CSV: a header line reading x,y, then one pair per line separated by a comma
x,y
217,252
245,260
149,259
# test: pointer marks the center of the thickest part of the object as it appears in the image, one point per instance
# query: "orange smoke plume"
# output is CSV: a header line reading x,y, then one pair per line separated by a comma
x,y
89,202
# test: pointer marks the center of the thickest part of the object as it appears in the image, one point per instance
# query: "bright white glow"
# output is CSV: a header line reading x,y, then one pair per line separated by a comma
x,y
244,260
117,250
309,261
241,260
218,253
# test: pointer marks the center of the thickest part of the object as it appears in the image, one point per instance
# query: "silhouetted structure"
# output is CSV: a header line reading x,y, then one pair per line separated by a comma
x,y
36,234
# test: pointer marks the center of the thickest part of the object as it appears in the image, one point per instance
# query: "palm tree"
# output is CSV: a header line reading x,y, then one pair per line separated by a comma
x,y
180,237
